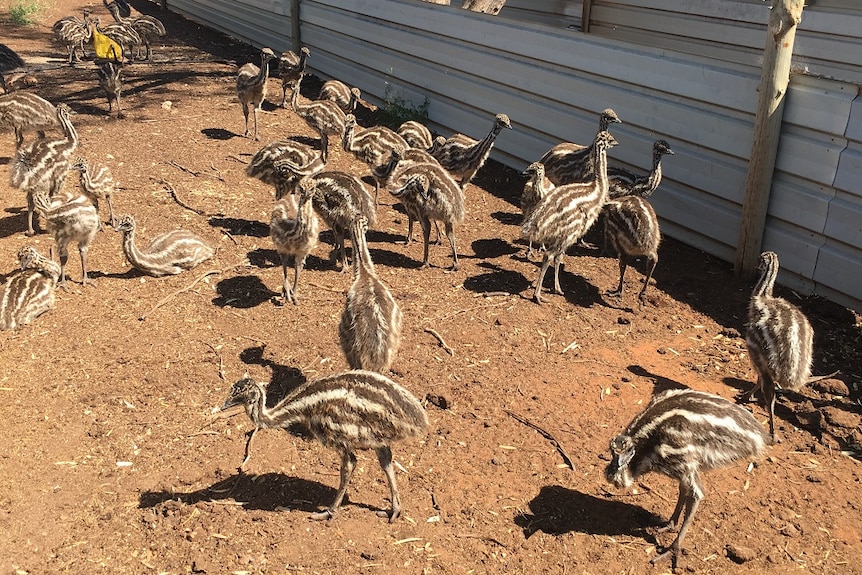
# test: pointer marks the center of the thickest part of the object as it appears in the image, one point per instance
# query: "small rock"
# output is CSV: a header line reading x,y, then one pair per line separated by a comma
x,y
841,417
200,564
740,553
437,400
661,351
623,320
625,379
833,386
813,478
729,332
167,105
368,556
829,442
789,530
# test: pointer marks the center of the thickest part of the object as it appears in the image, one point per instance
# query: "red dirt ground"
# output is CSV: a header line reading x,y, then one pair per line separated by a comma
x,y
111,462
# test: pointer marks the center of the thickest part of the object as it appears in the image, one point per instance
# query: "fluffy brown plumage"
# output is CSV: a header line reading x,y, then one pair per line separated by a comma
x,y
631,228
29,292
344,96
97,183
624,183
370,328
290,69
682,433
9,60
463,156
251,87
416,134
345,412
294,230
374,146
69,218
323,116
111,81
169,253
568,163
779,338
563,216
23,112
301,159
536,188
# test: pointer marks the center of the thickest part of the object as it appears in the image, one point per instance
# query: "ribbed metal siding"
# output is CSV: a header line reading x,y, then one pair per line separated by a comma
x,y
553,82
258,22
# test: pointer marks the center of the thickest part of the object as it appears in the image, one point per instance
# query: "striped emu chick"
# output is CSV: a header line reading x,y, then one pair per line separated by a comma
x,y
562,217
537,187
370,329
147,27
9,60
374,146
111,81
416,135
42,165
70,218
429,193
463,156
169,253
24,112
123,34
682,433
624,183
344,96
303,161
290,69
323,116
569,163
631,227
30,292
779,340
97,184
294,230
251,87
73,33
338,198
346,412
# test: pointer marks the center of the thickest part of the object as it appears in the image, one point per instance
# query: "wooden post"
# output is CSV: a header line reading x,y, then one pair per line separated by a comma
x,y
294,26
775,77
585,15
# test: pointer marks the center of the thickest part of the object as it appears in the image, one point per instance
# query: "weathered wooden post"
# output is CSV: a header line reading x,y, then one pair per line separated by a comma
x,y
785,16
586,8
294,26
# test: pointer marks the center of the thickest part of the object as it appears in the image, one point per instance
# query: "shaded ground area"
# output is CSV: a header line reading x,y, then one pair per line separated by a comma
x,y
111,462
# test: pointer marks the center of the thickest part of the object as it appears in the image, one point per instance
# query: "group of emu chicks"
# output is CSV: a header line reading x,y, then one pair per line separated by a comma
x,y
681,433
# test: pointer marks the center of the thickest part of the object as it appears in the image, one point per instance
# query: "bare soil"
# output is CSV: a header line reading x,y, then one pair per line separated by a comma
x,y
111,461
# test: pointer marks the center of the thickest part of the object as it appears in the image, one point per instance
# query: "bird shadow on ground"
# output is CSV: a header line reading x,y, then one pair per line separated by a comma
x,y
219,134
242,292
284,378
14,224
263,258
241,227
660,383
557,510
381,237
129,274
508,218
492,248
392,259
500,181
496,280
267,492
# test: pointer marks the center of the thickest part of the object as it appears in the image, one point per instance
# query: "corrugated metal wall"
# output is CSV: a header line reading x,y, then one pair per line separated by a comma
x,y
553,81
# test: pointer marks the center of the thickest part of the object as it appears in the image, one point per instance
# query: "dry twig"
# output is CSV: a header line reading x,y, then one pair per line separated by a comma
x,y
440,339
544,433
170,188
218,355
172,295
193,172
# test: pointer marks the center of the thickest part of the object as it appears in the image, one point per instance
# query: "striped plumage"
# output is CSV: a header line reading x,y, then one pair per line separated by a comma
x,y
304,161
323,116
344,96
294,230
568,163
429,193
463,156
43,164
111,81
537,187
563,216
9,60
624,183
30,292
290,69
97,183
123,34
339,198
416,135
73,33
121,6
169,253
779,339
251,86
146,27
26,112
69,218
370,328
345,412
374,146
682,433
631,228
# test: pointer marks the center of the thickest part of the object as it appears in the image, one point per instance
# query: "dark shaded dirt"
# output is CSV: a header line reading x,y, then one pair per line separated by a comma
x,y
110,461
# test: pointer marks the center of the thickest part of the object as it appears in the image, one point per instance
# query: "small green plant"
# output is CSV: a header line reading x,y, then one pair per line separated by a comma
x,y
396,110
24,12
